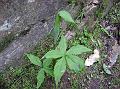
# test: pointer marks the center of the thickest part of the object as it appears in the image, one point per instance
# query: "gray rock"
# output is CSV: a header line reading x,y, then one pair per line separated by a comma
x,y
21,16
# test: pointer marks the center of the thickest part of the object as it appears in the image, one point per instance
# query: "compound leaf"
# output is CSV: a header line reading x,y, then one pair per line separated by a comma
x,y
40,77
53,54
66,16
78,49
34,59
78,61
62,46
59,70
46,62
49,71
72,65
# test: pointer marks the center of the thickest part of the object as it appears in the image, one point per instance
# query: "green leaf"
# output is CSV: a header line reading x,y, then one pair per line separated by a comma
x,y
72,65
61,14
62,46
46,62
78,49
59,70
34,59
40,77
49,71
53,54
55,34
79,62
56,30
66,16
106,69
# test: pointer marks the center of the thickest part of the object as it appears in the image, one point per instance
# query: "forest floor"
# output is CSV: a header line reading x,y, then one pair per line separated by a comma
x,y
104,34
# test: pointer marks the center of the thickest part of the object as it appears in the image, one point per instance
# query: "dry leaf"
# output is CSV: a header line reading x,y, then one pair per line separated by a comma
x,y
114,54
92,58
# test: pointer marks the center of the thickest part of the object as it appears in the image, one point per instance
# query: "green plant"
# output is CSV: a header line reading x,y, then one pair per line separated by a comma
x,y
63,59
60,15
86,37
44,68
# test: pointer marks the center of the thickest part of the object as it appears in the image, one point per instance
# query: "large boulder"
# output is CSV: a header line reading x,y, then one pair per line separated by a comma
x,y
27,21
